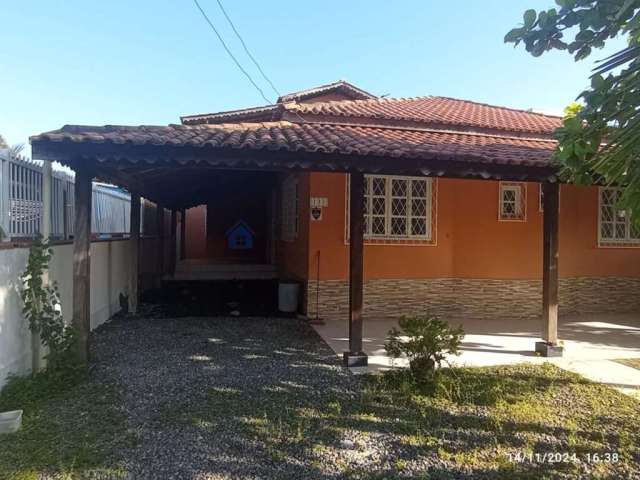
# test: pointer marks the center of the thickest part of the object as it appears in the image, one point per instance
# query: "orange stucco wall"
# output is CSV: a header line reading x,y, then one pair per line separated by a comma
x,y
471,242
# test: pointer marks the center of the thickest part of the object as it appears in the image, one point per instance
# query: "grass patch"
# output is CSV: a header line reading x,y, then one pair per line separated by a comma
x,y
70,426
522,412
630,362
490,422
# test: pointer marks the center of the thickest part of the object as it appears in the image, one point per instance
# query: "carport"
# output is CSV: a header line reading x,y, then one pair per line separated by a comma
x,y
174,165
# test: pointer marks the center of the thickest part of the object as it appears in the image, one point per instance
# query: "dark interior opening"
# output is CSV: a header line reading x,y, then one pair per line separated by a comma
x,y
213,298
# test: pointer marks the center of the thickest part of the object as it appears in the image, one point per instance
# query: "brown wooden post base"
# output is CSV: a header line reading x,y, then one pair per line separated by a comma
x,y
546,349
359,359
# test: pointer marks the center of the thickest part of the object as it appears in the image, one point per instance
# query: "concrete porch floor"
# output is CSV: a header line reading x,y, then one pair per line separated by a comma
x,y
590,342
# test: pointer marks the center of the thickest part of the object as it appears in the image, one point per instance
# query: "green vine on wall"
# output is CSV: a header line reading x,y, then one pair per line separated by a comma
x,y
43,310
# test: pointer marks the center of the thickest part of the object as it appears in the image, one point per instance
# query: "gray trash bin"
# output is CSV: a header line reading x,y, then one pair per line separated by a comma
x,y
288,296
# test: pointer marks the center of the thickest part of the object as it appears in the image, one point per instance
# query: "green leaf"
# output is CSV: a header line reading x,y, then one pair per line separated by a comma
x,y
529,18
585,35
584,52
514,35
597,82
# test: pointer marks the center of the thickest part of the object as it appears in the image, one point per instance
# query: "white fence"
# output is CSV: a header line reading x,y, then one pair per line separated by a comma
x,y
21,202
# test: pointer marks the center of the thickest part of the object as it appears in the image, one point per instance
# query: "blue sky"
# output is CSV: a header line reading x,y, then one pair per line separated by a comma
x,y
149,61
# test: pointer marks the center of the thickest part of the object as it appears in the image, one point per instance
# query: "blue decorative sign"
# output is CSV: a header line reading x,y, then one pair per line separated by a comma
x,y
240,236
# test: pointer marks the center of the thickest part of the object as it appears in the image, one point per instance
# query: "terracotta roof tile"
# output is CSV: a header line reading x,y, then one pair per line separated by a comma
x,y
258,114
326,138
436,111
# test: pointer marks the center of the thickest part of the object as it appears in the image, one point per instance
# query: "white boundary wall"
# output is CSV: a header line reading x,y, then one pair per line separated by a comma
x,y
109,273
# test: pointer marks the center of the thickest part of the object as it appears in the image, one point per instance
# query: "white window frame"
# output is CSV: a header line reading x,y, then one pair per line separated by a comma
x,y
289,209
388,210
520,200
627,240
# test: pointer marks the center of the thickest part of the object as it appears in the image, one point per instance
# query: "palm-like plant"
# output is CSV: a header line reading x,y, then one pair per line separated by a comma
x,y
14,150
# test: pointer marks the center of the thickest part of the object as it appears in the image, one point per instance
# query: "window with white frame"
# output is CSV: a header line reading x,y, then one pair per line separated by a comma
x,y
512,201
614,224
289,209
397,207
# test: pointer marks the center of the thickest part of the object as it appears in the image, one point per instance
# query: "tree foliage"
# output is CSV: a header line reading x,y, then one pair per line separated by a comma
x,y
600,139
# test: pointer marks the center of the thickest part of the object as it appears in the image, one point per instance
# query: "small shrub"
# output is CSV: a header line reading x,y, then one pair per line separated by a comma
x,y
426,341
43,311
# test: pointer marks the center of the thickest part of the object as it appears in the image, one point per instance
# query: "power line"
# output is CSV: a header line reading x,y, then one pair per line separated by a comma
x,y
246,49
235,60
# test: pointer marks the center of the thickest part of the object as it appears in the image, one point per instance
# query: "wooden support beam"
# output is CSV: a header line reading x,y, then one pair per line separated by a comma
x,y
134,247
82,259
183,234
356,357
173,244
551,201
160,232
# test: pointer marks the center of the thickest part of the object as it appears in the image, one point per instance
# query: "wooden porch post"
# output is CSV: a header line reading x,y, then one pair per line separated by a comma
x,y
82,259
183,234
173,244
356,357
160,244
134,247
549,346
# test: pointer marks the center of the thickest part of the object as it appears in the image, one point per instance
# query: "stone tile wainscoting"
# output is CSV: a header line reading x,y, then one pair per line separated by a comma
x,y
475,298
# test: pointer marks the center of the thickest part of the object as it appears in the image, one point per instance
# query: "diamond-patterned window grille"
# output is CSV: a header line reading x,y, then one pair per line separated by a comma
x,y
512,201
397,207
615,225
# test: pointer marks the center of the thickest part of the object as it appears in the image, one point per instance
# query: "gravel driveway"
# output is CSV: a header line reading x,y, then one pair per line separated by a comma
x,y
257,398
230,398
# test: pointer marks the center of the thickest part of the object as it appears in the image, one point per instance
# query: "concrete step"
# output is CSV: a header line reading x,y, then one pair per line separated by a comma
x,y
224,267
187,271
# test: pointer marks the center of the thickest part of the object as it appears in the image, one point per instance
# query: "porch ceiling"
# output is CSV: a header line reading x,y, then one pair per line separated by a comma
x,y
175,164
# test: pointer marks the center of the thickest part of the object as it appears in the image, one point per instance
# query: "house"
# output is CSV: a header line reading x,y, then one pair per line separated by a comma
x,y
452,246
453,206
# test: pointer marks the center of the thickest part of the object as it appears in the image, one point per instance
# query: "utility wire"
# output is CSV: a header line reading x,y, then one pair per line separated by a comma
x,y
235,60
246,49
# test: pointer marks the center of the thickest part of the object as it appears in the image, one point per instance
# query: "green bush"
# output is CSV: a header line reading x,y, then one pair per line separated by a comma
x,y
43,310
426,341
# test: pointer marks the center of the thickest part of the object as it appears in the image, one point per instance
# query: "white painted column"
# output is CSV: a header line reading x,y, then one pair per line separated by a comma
x,y
5,185
47,186
45,231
